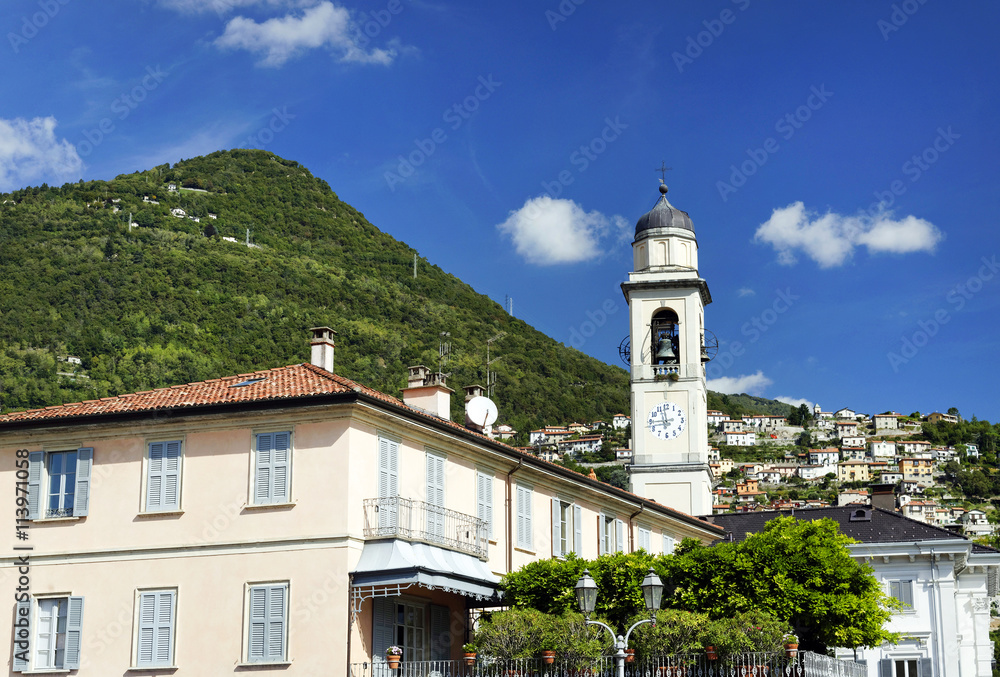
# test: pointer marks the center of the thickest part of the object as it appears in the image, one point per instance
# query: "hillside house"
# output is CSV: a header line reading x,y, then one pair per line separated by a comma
x,y
288,519
853,471
716,417
623,454
732,426
581,445
737,439
825,457
844,414
853,441
886,421
938,417
620,421
814,472
846,428
853,453
882,448
853,497
920,470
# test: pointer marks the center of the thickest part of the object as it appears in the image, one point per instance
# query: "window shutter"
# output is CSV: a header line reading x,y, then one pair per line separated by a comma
x,y
388,461
21,658
84,466
556,529
602,525
906,587
172,476
885,668
529,540
156,625
36,461
276,622
519,492
924,668
282,467
74,633
262,476
619,535
668,545
578,530
383,626
435,495
484,501
440,633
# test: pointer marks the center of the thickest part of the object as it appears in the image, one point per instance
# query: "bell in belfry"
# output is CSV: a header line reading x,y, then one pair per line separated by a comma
x,y
665,351
705,357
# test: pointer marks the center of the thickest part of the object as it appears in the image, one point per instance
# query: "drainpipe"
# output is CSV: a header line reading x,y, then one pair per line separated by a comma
x,y
631,531
510,517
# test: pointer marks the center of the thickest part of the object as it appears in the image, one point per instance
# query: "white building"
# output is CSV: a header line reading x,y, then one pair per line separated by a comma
x,y
747,439
886,421
845,413
882,448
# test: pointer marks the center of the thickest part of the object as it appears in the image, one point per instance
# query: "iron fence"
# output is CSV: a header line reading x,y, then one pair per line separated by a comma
x,y
410,520
806,664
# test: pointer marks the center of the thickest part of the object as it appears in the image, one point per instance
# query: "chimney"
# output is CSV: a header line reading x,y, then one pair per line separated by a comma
x,y
322,347
884,496
428,391
473,391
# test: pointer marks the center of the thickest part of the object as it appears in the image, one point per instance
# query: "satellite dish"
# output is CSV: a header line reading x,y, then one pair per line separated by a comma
x,y
481,411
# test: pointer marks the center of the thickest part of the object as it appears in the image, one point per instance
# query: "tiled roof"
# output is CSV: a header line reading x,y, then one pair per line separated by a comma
x,y
295,381
884,527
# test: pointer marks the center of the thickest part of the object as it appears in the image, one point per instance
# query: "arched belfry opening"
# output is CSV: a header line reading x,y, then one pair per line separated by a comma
x,y
665,337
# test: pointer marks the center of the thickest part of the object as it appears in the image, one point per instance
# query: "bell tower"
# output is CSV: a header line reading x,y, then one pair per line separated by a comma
x,y
666,300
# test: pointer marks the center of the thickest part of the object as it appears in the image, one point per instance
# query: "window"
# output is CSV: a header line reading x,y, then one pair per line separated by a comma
x,y
435,496
388,481
905,667
903,591
423,631
267,627
567,528
524,535
155,636
59,483
668,544
643,538
484,500
163,476
612,535
55,629
272,471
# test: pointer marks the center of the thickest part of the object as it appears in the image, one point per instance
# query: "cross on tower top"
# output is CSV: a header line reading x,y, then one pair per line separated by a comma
x,y
663,169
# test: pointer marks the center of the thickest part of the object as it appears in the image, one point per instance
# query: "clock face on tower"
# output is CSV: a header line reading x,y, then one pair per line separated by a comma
x,y
666,420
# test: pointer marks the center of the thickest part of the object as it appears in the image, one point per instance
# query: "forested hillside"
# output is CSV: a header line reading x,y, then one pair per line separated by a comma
x,y
162,303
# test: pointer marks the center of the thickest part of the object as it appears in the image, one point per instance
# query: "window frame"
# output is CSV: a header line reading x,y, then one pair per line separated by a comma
x,y
137,626
255,470
39,486
906,608
72,648
644,538
484,500
524,531
147,469
246,658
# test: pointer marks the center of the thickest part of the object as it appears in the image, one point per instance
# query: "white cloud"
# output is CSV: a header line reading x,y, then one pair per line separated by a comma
x,y
29,151
830,239
279,39
795,401
225,6
752,384
745,291
548,231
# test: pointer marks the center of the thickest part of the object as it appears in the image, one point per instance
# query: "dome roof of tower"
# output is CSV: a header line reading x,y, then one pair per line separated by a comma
x,y
663,215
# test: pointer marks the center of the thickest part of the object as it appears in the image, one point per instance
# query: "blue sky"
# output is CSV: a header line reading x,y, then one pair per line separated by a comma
x,y
838,160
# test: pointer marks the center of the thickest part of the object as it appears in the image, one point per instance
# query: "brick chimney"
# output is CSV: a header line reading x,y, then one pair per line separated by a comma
x,y
322,347
473,391
428,391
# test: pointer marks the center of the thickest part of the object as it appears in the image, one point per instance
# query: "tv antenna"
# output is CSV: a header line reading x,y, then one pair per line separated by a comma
x,y
444,350
509,302
491,377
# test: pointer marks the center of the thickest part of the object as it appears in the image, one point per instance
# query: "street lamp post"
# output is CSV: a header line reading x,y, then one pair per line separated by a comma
x,y
586,599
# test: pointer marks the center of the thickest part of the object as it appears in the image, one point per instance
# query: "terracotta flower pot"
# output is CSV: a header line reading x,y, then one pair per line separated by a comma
x,y
630,655
791,649
710,653
393,661
470,658
548,657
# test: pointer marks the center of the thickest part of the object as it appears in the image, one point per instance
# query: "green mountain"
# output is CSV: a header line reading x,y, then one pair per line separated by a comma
x,y
161,302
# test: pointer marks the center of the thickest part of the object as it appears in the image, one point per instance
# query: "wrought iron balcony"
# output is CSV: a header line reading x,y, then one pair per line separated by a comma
x,y
410,520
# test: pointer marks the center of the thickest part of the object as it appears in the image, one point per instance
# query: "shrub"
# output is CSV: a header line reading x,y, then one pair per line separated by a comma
x,y
675,632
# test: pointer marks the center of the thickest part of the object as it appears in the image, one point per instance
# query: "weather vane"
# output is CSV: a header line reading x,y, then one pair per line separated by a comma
x,y
663,169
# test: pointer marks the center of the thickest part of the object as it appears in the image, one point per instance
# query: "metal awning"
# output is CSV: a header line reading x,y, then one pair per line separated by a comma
x,y
388,567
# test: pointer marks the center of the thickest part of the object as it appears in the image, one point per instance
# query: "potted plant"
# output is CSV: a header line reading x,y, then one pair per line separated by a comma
x,y
630,655
393,655
469,649
548,656
791,645
673,376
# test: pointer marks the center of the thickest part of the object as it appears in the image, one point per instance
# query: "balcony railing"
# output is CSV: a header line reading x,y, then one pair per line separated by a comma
x,y
691,665
404,518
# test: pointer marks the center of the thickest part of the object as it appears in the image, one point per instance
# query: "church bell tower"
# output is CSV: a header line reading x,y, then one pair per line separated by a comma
x,y
666,300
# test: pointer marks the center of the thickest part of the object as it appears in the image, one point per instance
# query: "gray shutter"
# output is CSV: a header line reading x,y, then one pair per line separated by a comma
x,y
556,529
601,526
282,467
484,501
383,626
154,476
440,633
619,536
435,495
388,461
84,466
924,668
22,658
267,624
258,624
262,492
529,537
156,616
885,668
172,476
36,461
74,633
276,604
578,530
